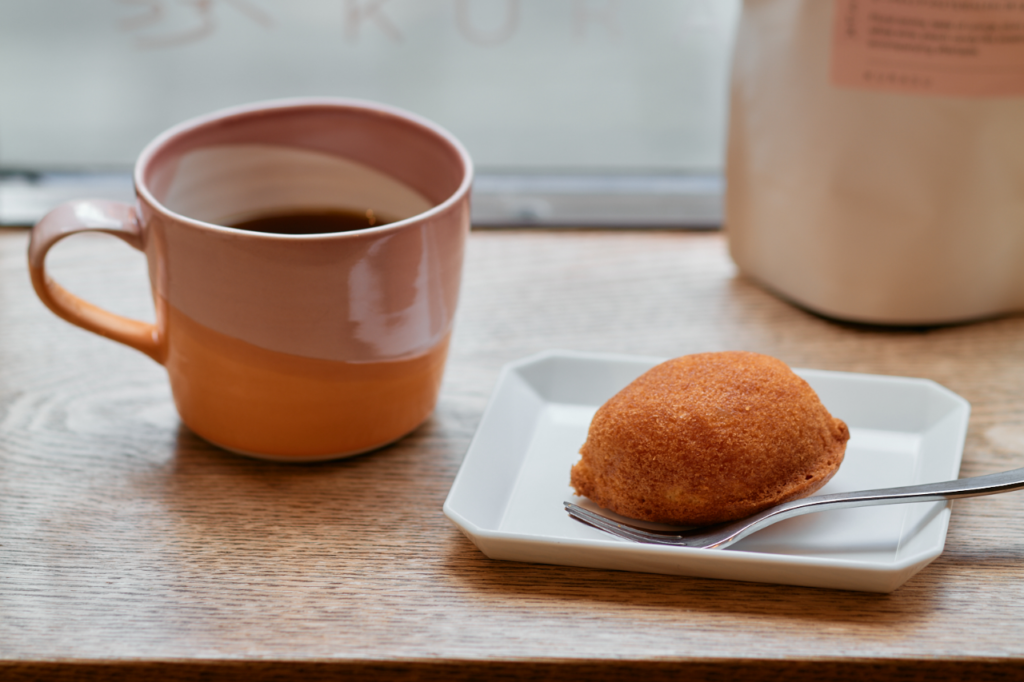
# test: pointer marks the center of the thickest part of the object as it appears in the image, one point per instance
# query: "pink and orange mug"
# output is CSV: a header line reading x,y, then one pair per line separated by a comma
x,y
295,347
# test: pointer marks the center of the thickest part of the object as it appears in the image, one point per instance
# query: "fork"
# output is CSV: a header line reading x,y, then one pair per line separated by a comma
x,y
725,534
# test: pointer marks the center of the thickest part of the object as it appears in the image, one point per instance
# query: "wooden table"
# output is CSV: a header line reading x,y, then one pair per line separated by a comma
x,y
130,548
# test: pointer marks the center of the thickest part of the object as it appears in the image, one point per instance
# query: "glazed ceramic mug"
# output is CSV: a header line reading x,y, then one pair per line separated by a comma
x,y
296,347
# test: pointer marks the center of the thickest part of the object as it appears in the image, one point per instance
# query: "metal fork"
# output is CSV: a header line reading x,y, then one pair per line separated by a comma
x,y
723,535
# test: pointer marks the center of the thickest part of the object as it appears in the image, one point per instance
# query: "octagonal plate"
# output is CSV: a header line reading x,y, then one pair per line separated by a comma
x,y
507,497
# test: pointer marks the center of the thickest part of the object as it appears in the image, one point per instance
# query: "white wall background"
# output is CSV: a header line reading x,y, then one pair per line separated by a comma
x,y
528,85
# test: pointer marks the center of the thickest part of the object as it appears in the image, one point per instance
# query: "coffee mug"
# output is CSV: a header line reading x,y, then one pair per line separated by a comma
x,y
279,345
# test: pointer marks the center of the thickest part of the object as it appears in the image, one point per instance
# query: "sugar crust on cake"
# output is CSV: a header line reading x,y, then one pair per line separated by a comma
x,y
708,438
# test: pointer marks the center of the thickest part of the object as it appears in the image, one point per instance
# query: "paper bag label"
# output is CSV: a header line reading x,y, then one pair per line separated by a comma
x,y
970,48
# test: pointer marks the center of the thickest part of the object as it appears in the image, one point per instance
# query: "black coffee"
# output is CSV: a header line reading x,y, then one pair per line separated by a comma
x,y
312,222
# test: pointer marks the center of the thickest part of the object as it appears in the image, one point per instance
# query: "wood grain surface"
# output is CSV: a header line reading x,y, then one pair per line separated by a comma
x,y
131,549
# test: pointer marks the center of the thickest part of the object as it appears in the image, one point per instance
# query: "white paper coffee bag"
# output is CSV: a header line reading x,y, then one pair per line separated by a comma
x,y
876,156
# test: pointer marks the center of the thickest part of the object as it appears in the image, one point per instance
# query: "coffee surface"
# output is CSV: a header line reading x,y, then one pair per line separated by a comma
x,y
312,222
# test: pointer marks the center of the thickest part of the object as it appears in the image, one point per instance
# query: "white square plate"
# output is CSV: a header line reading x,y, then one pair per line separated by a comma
x,y
507,497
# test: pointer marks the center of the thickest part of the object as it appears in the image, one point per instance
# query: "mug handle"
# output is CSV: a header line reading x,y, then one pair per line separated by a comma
x,y
93,215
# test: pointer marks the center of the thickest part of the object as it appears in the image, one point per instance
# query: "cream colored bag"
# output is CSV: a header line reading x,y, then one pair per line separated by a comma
x,y
876,157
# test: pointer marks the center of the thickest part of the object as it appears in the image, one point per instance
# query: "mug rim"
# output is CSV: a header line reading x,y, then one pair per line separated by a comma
x,y
221,115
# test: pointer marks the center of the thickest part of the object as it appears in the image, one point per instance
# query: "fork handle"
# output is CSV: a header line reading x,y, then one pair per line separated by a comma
x,y
990,484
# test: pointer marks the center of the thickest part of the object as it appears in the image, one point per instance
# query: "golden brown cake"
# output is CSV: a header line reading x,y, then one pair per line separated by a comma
x,y
709,438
